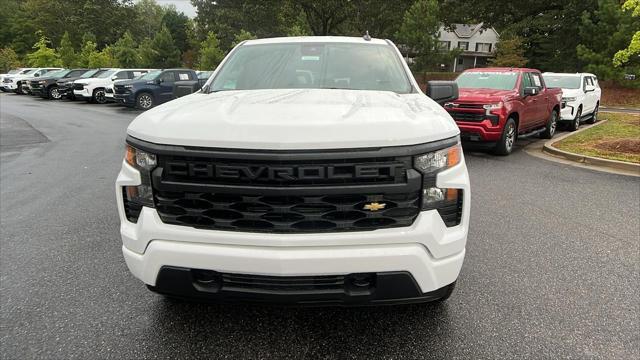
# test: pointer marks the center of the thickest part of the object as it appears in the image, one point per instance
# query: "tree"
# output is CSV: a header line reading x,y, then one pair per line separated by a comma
x,y
623,56
101,59
419,33
145,53
177,23
125,53
8,60
43,55
326,17
86,52
164,52
147,19
509,53
66,51
242,36
608,30
210,53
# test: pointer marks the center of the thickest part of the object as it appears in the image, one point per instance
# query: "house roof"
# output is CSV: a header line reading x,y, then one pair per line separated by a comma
x,y
466,30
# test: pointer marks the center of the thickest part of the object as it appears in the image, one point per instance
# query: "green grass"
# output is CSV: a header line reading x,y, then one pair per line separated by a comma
x,y
618,139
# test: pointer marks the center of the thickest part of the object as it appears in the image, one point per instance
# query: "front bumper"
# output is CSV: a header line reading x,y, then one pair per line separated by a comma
x,y
126,99
484,131
84,93
428,251
568,112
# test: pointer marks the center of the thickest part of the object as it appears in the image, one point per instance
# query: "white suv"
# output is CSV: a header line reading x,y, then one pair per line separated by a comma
x,y
94,89
19,83
307,170
580,96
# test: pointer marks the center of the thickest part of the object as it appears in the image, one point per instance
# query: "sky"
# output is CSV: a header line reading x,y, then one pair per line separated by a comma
x,y
182,5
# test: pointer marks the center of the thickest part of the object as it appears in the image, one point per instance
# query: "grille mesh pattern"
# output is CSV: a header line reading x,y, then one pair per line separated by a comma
x,y
467,116
282,283
285,214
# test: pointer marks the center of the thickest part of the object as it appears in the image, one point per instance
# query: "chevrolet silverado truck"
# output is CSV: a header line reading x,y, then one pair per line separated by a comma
x,y
496,106
18,82
94,89
308,170
580,97
151,89
47,87
65,86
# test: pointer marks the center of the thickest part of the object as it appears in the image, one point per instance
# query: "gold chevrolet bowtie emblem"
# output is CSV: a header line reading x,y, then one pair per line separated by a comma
x,y
374,206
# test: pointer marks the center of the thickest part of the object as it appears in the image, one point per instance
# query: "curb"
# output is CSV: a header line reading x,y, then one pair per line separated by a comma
x,y
590,160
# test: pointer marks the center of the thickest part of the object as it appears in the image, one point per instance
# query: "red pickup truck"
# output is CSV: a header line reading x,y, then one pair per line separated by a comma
x,y
499,105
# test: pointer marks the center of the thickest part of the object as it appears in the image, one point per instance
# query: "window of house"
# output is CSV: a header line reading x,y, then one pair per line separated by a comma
x,y
445,45
460,60
464,45
483,47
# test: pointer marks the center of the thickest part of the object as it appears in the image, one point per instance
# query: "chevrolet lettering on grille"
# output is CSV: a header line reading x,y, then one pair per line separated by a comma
x,y
282,173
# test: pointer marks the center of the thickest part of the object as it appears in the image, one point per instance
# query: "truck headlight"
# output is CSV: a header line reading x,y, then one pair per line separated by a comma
x,y
144,162
446,200
569,99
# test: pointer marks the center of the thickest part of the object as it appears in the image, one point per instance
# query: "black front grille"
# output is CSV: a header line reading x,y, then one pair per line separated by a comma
x,y
385,170
119,89
282,283
78,86
287,214
467,116
34,85
108,90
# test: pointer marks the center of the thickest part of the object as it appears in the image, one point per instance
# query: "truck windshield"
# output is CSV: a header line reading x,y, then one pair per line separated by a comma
x,y
487,80
562,81
90,73
313,66
106,74
151,75
57,73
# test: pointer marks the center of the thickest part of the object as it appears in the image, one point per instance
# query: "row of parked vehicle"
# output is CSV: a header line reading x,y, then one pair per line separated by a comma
x,y
141,88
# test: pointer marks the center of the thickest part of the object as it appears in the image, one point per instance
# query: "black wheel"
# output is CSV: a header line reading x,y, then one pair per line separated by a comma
x,y
19,89
98,96
144,101
53,93
508,138
575,124
594,117
550,129
448,292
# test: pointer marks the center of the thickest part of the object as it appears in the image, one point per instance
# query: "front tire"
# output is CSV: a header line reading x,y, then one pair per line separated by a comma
x,y
508,138
98,96
53,93
594,117
550,129
19,89
575,125
144,101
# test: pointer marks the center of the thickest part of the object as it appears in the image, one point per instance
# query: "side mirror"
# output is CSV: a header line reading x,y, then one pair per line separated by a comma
x,y
114,78
36,75
442,91
159,81
531,91
589,88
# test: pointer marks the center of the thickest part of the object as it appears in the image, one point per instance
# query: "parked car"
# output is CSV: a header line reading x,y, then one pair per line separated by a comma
x,y
8,84
94,89
307,170
496,106
186,87
65,86
151,89
47,87
9,74
580,95
17,82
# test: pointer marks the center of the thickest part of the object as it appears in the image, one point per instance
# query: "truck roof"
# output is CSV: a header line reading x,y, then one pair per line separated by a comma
x,y
316,39
502,69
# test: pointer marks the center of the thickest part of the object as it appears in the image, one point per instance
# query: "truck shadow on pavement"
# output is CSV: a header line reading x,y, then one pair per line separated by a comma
x,y
294,332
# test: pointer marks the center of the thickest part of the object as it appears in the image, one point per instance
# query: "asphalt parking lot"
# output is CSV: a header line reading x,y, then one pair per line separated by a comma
x,y
552,267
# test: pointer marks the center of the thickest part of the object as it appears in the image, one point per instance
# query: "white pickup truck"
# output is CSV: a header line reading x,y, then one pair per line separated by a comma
x,y
580,96
95,89
308,170
19,83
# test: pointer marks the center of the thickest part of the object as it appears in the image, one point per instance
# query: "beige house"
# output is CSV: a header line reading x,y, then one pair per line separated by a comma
x,y
478,45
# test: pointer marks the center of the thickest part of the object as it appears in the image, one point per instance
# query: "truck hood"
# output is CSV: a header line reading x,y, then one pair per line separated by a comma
x,y
572,92
484,95
291,119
